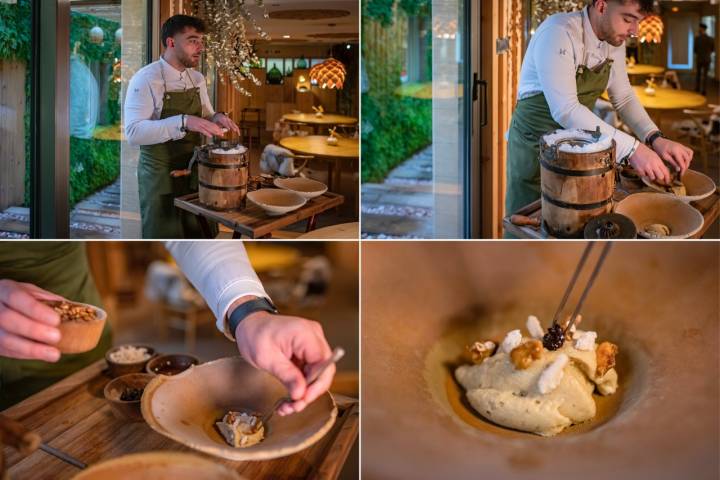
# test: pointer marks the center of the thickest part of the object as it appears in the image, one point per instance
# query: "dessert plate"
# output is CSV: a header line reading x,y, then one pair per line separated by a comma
x,y
422,304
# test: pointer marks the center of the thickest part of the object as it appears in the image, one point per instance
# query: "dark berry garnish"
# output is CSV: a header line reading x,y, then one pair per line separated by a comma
x,y
131,394
555,338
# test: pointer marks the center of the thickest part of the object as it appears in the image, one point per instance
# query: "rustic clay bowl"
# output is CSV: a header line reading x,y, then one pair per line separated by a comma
x,y
80,337
185,408
170,364
126,410
647,208
423,302
305,187
116,369
698,186
158,466
275,201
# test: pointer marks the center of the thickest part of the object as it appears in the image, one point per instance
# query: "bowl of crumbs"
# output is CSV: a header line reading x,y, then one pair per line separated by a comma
x,y
125,359
217,408
81,325
660,216
124,393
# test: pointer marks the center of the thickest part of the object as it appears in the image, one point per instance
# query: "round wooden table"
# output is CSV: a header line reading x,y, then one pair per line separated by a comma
x,y
347,149
326,120
669,98
644,69
335,232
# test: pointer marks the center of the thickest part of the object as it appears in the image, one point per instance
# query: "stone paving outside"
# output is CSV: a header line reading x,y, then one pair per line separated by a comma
x,y
401,206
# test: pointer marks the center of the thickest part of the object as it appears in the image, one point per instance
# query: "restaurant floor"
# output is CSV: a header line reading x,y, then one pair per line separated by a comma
x,y
137,320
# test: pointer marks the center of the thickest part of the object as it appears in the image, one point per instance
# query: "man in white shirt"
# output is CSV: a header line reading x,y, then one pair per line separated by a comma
x,y
287,347
167,111
571,59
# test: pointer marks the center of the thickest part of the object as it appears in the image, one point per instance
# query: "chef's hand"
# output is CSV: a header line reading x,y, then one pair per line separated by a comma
x,y
200,125
648,164
674,153
27,326
288,348
224,121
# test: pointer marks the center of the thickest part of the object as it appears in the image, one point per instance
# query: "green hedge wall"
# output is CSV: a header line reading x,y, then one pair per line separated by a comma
x,y
393,129
94,163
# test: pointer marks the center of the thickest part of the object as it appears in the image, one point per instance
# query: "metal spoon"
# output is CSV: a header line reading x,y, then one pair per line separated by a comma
x,y
337,354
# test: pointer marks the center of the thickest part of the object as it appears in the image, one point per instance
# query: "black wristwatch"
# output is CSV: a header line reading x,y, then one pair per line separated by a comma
x,y
653,137
260,304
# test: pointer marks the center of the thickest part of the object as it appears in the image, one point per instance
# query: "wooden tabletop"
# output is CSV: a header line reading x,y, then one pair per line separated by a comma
x,y
709,208
252,221
339,231
667,98
318,146
73,416
644,69
325,119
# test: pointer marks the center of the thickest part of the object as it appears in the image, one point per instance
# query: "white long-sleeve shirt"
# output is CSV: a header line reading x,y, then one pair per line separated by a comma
x,y
144,102
220,271
560,45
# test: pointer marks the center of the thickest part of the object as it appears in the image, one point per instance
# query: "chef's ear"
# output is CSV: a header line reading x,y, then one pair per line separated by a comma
x,y
600,6
169,42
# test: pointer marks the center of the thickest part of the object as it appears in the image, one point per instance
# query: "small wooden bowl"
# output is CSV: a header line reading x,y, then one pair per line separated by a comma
x,y
123,409
81,336
116,369
170,364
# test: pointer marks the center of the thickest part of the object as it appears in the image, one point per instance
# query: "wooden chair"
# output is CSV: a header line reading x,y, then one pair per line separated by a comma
x,y
250,122
671,80
701,130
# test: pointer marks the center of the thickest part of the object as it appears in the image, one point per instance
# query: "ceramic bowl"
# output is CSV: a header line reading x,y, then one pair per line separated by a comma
x,y
648,208
275,201
185,408
115,369
170,364
305,187
126,409
698,186
158,466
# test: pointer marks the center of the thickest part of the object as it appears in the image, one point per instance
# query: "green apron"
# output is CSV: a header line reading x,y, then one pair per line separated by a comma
x,y
532,119
157,189
62,268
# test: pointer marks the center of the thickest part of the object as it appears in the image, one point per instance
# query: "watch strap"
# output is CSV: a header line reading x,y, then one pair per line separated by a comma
x,y
654,137
243,310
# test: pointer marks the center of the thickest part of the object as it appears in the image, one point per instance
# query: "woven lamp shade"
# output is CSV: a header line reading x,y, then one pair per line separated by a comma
x,y
650,29
329,74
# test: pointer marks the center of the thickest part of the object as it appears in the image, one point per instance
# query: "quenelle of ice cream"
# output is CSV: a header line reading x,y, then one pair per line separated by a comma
x,y
524,386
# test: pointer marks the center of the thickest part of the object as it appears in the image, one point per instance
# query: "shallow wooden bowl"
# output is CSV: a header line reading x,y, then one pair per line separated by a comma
x,y
185,408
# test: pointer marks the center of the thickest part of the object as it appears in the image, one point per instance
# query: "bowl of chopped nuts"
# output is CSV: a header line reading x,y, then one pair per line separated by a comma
x,y
81,325
125,359
124,393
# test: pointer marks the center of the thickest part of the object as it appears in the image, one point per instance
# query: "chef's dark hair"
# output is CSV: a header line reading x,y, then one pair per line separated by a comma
x,y
646,6
177,24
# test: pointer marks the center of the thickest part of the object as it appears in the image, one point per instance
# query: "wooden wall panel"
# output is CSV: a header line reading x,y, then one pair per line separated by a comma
x,y
12,133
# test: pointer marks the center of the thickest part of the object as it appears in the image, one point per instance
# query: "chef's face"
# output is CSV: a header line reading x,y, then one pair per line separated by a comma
x,y
187,46
618,20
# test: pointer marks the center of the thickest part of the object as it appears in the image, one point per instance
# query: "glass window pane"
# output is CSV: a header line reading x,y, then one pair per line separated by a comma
x,y
413,125
98,33
15,119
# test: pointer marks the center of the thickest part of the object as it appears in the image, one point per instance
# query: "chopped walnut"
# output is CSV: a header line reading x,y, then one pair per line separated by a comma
x,y
605,354
479,351
570,333
523,355
70,312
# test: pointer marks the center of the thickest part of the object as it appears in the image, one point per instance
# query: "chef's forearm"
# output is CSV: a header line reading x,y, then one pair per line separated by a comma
x,y
151,132
221,272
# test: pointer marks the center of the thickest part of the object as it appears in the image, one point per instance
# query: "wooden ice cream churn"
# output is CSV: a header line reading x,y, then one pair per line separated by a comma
x,y
577,179
223,173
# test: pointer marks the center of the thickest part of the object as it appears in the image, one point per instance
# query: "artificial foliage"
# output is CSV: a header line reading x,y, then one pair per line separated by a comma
x,y
226,44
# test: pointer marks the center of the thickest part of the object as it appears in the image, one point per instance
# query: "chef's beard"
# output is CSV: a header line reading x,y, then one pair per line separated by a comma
x,y
187,60
608,34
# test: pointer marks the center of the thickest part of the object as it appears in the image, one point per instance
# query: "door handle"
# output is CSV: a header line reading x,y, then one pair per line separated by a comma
x,y
477,83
